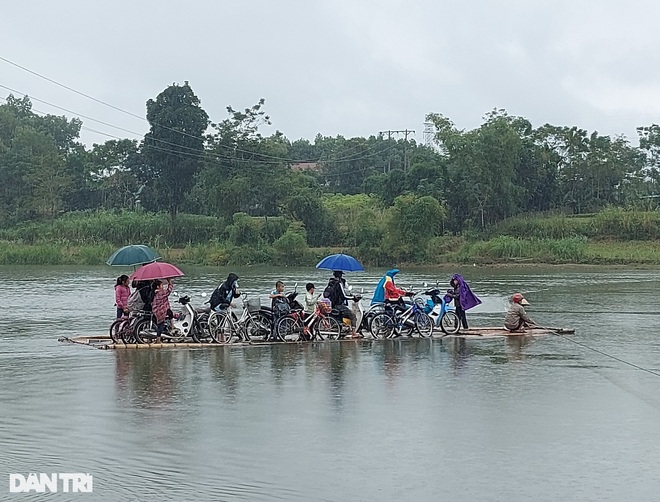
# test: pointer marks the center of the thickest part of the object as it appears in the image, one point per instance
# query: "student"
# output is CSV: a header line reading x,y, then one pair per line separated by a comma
x,y
516,319
310,298
379,292
122,292
223,295
146,291
160,306
336,292
464,298
393,294
280,307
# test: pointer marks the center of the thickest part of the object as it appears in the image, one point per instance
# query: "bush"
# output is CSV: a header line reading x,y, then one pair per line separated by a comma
x,y
248,255
291,248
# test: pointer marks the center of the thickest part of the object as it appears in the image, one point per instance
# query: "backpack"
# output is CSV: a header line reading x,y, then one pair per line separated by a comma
x,y
333,292
280,307
135,301
219,296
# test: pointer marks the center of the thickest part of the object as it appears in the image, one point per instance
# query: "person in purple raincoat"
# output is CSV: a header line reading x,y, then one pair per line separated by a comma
x,y
464,298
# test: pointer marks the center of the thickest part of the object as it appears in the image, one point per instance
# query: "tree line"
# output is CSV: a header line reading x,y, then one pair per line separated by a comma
x,y
372,192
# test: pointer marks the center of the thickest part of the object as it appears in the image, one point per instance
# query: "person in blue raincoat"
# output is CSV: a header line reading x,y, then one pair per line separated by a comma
x,y
379,293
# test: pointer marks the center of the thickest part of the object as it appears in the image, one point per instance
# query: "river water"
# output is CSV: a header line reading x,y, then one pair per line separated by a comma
x,y
519,419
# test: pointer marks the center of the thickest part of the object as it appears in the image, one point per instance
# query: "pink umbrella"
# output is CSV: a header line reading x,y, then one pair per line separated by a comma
x,y
156,270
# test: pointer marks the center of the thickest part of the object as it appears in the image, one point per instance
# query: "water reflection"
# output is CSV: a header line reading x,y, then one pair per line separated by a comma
x,y
340,421
514,347
152,379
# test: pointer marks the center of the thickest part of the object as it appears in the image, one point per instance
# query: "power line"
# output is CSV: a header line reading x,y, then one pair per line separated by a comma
x,y
70,88
390,132
195,153
347,158
206,155
64,86
276,159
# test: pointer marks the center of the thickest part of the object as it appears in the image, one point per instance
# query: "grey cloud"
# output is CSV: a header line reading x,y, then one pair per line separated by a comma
x,y
345,67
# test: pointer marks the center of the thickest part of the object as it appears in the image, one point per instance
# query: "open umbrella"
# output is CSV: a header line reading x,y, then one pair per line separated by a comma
x,y
135,254
343,262
156,270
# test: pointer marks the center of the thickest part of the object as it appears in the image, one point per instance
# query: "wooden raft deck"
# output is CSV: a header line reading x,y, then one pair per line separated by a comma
x,y
476,333
498,331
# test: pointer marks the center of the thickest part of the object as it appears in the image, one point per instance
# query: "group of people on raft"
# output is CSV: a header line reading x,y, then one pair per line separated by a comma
x,y
154,297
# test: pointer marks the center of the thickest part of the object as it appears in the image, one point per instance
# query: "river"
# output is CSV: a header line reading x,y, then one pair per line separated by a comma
x,y
541,419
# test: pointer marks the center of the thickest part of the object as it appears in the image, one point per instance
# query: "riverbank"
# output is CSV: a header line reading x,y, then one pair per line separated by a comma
x,y
502,250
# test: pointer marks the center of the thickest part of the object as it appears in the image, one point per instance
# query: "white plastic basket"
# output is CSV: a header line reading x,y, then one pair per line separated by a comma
x,y
253,304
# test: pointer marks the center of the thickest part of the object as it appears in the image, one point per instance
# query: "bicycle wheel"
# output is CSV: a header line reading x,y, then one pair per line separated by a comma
x,y
258,325
145,331
288,329
116,329
423,324
449,323
406,327
200,332
327,328
382,326
129,332
221,327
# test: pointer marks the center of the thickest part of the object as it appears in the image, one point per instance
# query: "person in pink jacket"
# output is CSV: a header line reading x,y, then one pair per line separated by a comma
x,y
122,292
160,306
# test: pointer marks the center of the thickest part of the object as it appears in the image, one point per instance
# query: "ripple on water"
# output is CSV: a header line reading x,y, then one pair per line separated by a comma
x,y
541,419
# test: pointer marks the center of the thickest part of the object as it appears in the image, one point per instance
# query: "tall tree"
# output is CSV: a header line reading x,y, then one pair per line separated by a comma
x,y
174,145
245,171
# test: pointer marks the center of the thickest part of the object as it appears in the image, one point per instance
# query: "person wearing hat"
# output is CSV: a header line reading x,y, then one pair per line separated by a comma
x,y
516,319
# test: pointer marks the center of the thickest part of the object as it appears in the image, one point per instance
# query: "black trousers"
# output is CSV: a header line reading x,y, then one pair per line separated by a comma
x,y
346,313
461,316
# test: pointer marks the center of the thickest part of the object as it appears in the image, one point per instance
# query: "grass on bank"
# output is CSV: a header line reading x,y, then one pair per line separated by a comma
x,y
613,236
502,249
609,224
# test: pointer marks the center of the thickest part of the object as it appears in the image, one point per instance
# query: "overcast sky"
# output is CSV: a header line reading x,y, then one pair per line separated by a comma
x,y
349,67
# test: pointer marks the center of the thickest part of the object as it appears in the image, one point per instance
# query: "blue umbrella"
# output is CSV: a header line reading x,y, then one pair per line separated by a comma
x,y
342,262
135,254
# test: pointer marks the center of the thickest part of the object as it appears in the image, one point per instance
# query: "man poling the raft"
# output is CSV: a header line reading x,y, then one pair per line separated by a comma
x,y
516,319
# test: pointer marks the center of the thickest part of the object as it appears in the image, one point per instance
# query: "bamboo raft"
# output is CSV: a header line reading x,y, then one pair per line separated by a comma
x,y
105,342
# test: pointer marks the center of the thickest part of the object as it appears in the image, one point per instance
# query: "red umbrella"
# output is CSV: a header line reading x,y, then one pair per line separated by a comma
x,y
156,270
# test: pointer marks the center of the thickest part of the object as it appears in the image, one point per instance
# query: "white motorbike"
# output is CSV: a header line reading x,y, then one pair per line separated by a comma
x,y
187,325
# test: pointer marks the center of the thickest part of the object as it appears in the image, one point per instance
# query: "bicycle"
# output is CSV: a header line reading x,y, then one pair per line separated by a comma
x,y
318,325
396,323
224,326
124,330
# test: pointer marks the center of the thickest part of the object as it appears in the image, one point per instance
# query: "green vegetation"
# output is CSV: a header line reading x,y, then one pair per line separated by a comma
x,y
224,193
611,237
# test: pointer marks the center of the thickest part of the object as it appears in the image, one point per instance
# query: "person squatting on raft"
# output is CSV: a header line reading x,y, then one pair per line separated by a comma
x,y
160,306
122,292
464,298
335,291
516,319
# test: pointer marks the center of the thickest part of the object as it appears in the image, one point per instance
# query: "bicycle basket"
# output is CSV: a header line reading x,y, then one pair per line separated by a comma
x,y
253,304
420,303
325,305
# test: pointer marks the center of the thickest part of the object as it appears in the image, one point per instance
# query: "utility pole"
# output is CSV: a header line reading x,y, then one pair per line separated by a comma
x,y
405,150
390,132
